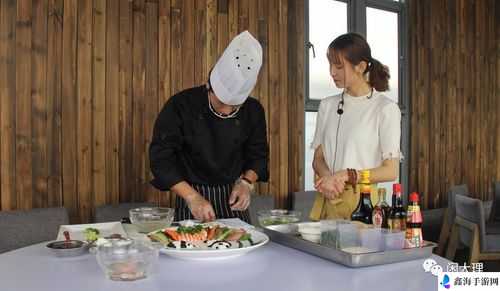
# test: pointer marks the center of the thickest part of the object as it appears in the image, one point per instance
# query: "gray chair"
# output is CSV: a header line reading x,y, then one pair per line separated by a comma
x,y
449,216
303,201
22,228
493,223
433,221
115,212
258,203
495,209
470,228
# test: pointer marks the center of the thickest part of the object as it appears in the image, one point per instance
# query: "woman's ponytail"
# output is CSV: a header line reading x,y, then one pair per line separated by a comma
x,y
378,75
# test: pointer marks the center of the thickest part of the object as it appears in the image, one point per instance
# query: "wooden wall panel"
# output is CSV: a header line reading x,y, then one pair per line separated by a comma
x,y
81,83
7,105
454,53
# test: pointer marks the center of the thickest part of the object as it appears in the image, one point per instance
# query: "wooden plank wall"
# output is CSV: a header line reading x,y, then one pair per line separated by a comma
x,y
81,82
454,86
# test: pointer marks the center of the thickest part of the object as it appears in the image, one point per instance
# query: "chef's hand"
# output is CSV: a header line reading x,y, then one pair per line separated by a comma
x,y
200,208
333,185
240,196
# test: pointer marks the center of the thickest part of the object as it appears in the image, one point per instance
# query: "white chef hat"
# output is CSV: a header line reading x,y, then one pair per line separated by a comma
x,y
235,73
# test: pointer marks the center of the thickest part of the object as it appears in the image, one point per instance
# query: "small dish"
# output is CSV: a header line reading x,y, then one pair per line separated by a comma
x,y
68,247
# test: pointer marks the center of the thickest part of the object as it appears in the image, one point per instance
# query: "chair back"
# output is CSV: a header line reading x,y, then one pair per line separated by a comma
x,y
22,228
108,213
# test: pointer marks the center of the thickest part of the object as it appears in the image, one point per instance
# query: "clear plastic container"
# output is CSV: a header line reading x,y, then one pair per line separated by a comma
x,y
126,260
348,237
328,230
393,240
371,239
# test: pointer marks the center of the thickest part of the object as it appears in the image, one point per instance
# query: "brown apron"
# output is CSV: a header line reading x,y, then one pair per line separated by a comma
x,y
342,207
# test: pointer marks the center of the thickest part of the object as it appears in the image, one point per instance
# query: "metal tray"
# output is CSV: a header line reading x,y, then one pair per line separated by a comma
x,y
286,235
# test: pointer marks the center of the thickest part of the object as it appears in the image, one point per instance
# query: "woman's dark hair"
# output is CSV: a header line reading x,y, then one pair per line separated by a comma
x,y
355,49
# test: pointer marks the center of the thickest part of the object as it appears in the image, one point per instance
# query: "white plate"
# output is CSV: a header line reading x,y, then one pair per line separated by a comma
x,y
76,231
258,238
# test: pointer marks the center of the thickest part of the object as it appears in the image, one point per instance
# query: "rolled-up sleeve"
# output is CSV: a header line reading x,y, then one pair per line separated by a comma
x,y
390,132
256,148
319,132
165,144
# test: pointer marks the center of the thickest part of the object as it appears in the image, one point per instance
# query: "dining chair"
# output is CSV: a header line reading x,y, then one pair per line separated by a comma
x,y
449,216
22,228
115,212
470,228
303,201
495,209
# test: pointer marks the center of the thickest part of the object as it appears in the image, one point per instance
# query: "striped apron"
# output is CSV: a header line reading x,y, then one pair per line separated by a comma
x,y
218,196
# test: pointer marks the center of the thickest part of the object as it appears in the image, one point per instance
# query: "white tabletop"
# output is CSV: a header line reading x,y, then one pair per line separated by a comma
x,y
272,267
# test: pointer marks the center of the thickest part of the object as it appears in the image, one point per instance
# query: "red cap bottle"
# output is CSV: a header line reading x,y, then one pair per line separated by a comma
x,y
414,197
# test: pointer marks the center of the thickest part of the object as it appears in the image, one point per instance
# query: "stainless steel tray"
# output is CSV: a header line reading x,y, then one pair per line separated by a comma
x,y
286,235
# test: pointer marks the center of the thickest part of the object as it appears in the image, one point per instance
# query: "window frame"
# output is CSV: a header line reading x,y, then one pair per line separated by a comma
x,y
356,22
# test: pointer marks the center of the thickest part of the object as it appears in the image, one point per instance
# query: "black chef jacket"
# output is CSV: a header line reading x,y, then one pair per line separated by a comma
x,y
191,144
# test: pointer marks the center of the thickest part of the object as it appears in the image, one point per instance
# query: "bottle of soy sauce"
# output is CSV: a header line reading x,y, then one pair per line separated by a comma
x,y
363,211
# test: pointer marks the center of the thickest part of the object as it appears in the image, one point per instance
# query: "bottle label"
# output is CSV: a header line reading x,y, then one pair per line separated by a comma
x,y
414,238
414,214
377,218
397,224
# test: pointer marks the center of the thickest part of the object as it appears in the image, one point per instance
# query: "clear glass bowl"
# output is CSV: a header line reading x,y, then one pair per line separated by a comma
x,y
126,260
277,216
148,219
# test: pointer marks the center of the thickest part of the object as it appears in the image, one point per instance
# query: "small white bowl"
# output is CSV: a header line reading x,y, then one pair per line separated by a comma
x,y
311,237
310,227
310,231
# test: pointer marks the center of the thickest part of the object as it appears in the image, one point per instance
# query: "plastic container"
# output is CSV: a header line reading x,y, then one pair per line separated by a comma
x,y
393,240
348,236
371,239
329,231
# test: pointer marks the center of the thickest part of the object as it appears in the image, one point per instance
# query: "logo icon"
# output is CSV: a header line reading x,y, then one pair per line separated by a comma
x,y
446,282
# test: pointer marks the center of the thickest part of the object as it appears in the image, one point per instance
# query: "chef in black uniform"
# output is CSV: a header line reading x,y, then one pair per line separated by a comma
x,y
209,142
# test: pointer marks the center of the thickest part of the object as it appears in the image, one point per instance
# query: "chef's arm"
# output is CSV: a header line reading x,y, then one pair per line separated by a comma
x,y
184,190
251,176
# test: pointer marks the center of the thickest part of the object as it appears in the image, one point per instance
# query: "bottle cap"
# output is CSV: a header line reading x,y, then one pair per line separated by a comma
x,y
396,188
414,197
365,176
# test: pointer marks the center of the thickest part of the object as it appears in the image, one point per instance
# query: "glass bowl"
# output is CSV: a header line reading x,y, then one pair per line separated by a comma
x,y
277,216
148,219
126,260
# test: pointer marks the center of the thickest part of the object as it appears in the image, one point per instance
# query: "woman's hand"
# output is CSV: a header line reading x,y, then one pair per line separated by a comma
x,y
240,196
332,186
200,208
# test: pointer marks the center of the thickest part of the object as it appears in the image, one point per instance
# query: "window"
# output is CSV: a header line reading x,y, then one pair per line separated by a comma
x,y
329,21
383,23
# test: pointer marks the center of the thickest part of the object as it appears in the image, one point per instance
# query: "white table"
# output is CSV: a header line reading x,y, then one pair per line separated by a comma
x,y
272,267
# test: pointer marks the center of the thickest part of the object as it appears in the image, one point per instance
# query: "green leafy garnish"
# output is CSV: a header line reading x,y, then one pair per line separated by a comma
x,y
246,236
91,234
225,233
190,229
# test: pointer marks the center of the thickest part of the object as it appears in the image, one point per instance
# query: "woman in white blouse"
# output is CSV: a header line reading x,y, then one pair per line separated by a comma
x,y
356,130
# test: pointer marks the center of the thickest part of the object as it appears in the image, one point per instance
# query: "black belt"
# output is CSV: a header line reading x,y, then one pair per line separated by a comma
x,y
218,196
